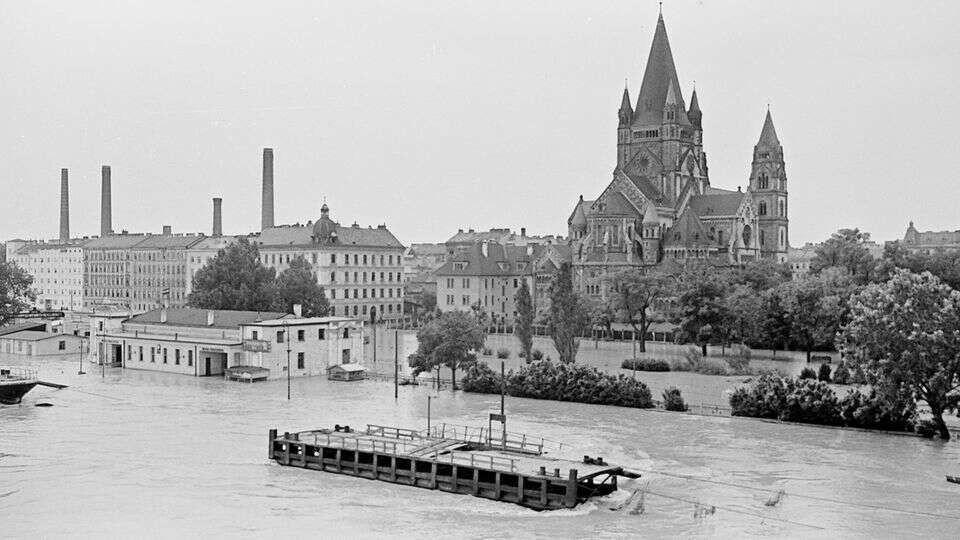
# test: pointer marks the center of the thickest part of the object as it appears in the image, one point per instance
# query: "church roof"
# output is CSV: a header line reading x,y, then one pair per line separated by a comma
x,y
644,185
724,204
687,232
579,216
616,204
659,74
768,135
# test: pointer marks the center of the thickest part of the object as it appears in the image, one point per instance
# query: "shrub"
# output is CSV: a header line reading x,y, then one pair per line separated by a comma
x,y
562,382
857,376
712,367
739,365
680,365
503,353
645,364
876,411
672,400
823,374
487,351
536,355
808,373
927,428
693,357
841,375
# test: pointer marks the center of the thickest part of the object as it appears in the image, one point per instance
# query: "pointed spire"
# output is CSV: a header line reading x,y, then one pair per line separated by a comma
x,y
626,111
659,73
768,135
694,114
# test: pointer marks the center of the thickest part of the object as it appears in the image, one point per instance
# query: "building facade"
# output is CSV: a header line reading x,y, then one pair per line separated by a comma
x,y
57,270
200,253
660,204
311,345
361,269
106,271
158,271
930,242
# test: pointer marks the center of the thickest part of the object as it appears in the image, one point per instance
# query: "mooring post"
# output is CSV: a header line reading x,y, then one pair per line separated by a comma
x,y
520,488
273,435
496,486
433,475
571,495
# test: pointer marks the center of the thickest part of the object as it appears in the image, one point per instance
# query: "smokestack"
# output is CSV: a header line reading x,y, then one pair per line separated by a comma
x,y
64,206
266,216
217,216
106,226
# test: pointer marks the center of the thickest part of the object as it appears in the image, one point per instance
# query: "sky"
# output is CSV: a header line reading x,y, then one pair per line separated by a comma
x,y
435,116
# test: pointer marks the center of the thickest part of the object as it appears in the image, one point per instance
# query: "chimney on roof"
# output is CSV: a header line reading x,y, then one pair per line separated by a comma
x,y
459,231
471,230
298,311
106,226
523,232
266,211
64,206
210,317
217,216
167,230
163,315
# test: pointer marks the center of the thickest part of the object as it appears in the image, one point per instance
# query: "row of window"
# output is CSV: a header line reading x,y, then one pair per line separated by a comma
x,y
373,293
302,334
163,353
781,208
363,310
361,277
274,259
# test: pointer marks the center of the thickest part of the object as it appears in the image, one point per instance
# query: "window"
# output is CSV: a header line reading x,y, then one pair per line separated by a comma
x,y
333,258
763,180
466,283
321,334
279,336
164,355
515,283
254,335
300,360
763,208
176,356
300,335
346,331
190,358
763,238
465,300
62,345
141,353
781,208
333,294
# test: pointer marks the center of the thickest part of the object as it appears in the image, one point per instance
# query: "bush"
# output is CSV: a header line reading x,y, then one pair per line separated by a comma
x,y
823,374
487,351
536,355
503,353
857,376
927,428
645,364
712,367
808,373
562,382
739,365
841,375
672,400
693,357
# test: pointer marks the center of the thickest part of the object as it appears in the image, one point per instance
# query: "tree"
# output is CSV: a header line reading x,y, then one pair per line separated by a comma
x,y
451,340
633,296
905,334
234,279
759,275
742,306
845,249
569,314
524,322
774,327
15,292
429,301
945,266
701,311
298,285
814,308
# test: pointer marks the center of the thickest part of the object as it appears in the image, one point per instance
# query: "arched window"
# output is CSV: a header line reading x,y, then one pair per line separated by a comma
x,y
782,209
763,180
763,208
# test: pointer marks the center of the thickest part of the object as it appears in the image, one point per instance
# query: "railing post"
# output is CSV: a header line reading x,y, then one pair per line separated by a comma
x,y
273,435
570,499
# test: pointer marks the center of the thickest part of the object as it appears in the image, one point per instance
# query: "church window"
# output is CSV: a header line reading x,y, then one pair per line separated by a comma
x,y
763,238
763,208
720,237
763,180
764,155
781,209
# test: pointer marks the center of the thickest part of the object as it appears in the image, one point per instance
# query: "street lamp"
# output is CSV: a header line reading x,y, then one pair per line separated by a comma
x,y
286,337
80,357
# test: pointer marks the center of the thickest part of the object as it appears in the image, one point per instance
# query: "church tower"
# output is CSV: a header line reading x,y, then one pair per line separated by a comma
x,y
768,183
623,129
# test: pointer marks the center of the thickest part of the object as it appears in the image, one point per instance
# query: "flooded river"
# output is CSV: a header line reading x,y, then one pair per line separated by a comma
x,y
140,454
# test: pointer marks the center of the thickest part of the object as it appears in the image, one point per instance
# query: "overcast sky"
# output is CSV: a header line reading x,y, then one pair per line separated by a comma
x,y
432,116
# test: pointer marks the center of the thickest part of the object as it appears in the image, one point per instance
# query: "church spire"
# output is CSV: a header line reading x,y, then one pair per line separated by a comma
x,y
626,111
768,135
659,74
694,114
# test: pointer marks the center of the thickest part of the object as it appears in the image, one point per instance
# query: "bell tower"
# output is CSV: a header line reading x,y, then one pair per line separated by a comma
x,y
768,183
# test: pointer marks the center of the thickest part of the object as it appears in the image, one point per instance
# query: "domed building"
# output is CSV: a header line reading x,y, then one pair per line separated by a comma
x,y
360,268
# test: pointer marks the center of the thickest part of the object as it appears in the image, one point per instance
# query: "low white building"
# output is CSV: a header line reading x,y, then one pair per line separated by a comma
x,y
311,345
38,343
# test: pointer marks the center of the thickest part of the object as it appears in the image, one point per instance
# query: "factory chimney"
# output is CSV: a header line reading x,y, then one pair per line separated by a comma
x,y
106,226
217,216
64,207
266,216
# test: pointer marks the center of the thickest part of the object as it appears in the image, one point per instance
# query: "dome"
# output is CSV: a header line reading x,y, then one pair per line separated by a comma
x,y
324,230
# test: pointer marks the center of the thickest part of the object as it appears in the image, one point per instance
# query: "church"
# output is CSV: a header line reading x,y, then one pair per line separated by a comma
x,y
660,207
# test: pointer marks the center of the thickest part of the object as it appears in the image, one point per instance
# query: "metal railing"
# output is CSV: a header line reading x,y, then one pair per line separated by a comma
x,y
477,460
8,374
494,437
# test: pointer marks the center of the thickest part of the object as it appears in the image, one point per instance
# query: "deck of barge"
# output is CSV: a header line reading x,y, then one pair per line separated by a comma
x,y
512,471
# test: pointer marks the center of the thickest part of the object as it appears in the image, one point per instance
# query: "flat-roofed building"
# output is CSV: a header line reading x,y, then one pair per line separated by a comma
x,y
311,345
158,271
106,270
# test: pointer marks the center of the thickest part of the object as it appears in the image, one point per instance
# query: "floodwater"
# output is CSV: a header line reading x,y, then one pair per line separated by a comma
x,y
141,454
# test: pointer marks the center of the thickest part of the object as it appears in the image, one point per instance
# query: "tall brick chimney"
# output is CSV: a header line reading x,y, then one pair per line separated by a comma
x,y
217,216
266,215
106,226
64,206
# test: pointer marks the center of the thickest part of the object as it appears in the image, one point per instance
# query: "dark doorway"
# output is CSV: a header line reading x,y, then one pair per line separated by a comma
x,y
117,356
206,366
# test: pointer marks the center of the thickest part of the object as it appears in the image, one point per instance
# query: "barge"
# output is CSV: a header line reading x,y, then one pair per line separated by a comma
x,y
15,382
509,468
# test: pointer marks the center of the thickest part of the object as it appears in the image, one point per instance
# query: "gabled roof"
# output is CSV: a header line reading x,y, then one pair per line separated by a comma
x,y
222,318
768,135
500,260
167,241
579,215
659,73
644,185
687,232
20,327
725,204
300,235
615,204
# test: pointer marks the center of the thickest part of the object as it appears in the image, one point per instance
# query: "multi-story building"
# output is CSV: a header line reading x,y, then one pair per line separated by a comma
x,y
502,236
660,204
158,271
930,242
485,278
200,253
422,258
311,345
361,269
57,270
106,271
799,259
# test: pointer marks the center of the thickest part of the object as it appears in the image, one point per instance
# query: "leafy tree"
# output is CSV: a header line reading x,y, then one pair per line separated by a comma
x,y
15,292
814,309
774,326
524,322
234,279
905,334
298,285
633,296
945,266
701,312
742,306
602,315
759,275
569,314
429,301
845,249
451,340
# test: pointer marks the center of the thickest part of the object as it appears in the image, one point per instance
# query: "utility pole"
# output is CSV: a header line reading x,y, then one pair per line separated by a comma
x,y
396,364
428,414
286,337
80,357
503,390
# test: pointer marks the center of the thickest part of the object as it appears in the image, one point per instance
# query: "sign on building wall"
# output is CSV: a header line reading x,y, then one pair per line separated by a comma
x,y
256,345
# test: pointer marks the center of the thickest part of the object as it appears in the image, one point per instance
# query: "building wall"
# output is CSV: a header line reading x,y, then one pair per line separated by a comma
x,y
158,277
60,344
163,353
319,351
57,275
106,277
494,294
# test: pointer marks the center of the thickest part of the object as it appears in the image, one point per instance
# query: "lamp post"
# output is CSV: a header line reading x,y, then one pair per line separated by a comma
x,y
286,337
80,357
